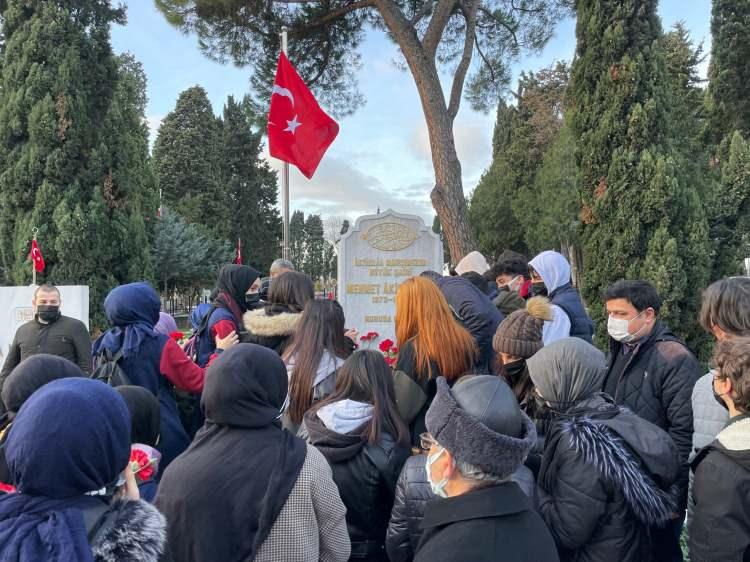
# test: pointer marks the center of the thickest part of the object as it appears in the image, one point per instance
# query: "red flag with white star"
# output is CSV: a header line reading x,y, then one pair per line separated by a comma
x,y
299,131
36,256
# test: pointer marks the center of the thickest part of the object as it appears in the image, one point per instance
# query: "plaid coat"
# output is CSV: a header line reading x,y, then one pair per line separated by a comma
x,y
312,524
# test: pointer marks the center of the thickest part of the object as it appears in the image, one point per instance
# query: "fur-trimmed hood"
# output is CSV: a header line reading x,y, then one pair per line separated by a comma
x,y
133,531
639,461
259,323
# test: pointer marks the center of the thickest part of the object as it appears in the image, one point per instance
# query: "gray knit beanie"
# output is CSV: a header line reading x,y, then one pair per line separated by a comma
x,y
480,423
520,334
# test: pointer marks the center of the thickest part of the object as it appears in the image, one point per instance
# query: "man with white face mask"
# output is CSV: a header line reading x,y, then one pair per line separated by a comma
x,y
478,438
652,372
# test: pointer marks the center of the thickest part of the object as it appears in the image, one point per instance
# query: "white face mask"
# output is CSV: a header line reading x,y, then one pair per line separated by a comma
x,y
618,329
437,488
509,284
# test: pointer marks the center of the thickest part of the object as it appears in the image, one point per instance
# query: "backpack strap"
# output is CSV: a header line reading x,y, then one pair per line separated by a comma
x,y
93,518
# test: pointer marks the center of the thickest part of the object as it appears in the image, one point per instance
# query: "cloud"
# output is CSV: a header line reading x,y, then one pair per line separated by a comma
x,y
340,188
153,122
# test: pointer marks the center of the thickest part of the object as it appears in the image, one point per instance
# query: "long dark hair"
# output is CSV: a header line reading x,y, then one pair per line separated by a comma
x,y
365,377
291,289
320,328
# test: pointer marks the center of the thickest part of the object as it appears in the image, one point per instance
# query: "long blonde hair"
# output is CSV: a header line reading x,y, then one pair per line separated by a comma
x,y
424,318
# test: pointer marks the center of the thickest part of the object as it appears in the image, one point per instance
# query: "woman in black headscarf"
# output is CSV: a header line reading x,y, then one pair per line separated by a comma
x,y
145,424
67,448
246,489
236,292
28,377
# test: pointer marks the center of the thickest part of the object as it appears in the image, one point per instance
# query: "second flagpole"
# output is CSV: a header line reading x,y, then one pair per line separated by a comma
x,y
285,177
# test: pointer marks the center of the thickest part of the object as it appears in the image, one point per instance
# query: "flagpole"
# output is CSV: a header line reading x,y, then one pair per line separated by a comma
x,y
285,176
33,264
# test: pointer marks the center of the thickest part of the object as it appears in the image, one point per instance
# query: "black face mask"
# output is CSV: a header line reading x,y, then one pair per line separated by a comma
x,y
252,300
719,399
514,369
47,312
538,289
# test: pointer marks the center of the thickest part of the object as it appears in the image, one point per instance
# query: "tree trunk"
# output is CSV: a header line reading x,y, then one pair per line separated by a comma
x,y
447,196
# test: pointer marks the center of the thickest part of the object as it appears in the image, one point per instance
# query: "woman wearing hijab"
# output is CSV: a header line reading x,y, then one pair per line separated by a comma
x,y
166,324
145,424
274,325
605,472
236,292
247,489
151,360
25,379
65,473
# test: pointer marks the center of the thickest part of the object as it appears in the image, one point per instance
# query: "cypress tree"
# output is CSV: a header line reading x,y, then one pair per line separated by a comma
x,y
187,163
251,186
315,248
640,218
729,70
73,148
297,239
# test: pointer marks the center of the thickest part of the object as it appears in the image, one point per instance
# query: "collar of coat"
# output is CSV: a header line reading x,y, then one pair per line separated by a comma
x,y
257,322
491,501
736,435
137,531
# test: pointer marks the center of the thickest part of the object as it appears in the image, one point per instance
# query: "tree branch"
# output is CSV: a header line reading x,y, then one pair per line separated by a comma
x,y
435,29
484,58
470,15
423,11
501,23
329,17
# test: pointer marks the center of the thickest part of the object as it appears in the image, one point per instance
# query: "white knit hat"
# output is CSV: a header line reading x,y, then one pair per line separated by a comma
x,y
473,261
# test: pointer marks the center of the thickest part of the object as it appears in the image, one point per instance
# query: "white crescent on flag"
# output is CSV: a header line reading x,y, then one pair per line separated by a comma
x,y
36,254
282,92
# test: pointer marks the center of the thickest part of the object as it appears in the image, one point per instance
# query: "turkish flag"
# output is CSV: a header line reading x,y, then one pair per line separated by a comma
x,y
299,132
238,253
36,256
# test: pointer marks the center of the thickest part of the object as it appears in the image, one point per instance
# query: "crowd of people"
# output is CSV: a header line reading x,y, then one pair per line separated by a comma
x,y
500,432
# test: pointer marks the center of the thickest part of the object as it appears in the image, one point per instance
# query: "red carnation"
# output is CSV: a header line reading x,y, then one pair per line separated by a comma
x,y
177,336
7,488
141,464
385,345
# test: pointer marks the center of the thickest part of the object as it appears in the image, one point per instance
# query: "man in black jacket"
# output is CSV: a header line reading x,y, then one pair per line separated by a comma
x,y
652,372
720,527
478,439
51,333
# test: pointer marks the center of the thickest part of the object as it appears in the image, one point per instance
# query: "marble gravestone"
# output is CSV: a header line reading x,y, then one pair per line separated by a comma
x,y
374,258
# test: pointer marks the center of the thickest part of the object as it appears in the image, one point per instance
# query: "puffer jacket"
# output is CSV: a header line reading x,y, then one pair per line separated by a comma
x,y
656,384
271,327
412,494
708,420
720,528
604,481
477,314
365,474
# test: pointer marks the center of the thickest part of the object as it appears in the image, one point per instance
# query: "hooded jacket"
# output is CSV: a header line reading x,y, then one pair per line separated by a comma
x,y
270,327
571,318
656,384
720,527
365,473
604,480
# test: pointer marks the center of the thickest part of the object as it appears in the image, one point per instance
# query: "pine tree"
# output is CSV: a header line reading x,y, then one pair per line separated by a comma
x,y
640,218
297,239
729,70
315,248
187,163
73,149
251,186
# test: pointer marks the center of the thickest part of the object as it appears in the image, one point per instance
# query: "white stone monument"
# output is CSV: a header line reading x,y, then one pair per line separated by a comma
x,y
375,256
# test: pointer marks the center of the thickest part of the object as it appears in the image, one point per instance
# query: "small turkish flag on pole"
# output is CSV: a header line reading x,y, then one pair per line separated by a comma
x,y
36,256
299,131
238,255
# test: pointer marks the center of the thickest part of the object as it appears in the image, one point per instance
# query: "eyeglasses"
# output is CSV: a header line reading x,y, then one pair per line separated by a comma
x,y
426,441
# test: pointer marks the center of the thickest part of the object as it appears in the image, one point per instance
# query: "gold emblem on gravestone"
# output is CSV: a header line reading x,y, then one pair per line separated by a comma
x,y
390,236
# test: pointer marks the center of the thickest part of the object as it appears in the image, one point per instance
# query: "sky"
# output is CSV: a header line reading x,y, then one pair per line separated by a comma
x,y
381,158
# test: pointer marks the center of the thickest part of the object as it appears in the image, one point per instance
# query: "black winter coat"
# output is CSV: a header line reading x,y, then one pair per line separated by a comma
x,y
720,527
478,315
366,477
490,524
657,384
412,494
604,481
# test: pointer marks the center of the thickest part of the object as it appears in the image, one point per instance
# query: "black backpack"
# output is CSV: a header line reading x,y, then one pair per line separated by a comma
x,y
108,369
